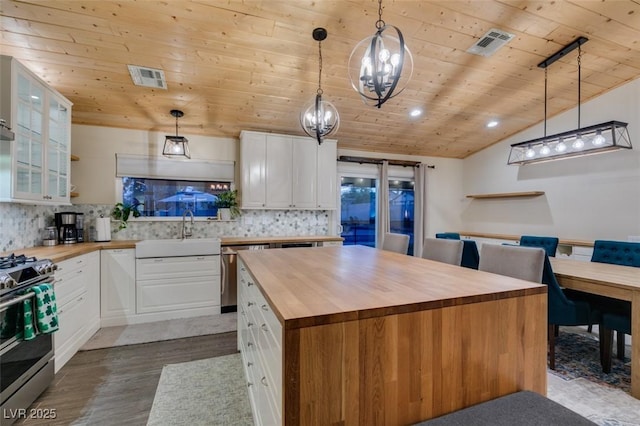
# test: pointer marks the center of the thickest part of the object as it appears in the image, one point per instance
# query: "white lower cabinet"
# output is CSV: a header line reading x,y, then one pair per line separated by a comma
x,y
260,343
177,283
77,288
118,286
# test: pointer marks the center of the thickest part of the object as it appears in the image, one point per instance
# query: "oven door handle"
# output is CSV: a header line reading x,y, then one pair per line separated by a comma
x,y
5,305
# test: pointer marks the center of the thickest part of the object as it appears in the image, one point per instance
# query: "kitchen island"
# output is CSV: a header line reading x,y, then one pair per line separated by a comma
x,y
354,335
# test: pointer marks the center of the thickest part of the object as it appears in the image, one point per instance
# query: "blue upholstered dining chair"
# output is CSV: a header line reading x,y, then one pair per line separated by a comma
x,y
616,314
470,255
549,244
616,252
563,310
448,235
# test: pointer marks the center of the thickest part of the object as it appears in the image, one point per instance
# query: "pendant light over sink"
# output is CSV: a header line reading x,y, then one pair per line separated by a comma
x,y
319,118
176,146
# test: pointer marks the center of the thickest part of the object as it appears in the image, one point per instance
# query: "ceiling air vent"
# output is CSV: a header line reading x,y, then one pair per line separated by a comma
x,y
493,40
147,77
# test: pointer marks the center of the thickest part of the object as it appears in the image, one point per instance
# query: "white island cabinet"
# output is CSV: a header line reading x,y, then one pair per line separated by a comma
x,y
77,287
260,344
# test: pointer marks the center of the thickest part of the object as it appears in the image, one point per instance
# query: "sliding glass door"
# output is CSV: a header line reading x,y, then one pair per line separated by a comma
x,y
401,209
359,207
358,211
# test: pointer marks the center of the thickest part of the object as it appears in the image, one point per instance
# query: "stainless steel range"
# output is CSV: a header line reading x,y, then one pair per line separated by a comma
x,y
26,367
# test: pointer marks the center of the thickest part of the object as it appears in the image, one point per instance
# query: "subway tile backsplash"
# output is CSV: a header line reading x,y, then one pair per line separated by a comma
x,y
21,225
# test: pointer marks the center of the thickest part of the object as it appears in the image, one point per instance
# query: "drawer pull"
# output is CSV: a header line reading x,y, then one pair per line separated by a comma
x,y
264,381
249,324
249,344
79,272
249,384
250,303
249,284
265,307
249,364
264,327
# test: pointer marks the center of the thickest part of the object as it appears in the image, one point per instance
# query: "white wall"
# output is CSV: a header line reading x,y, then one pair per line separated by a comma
x,y
94,174
586,198
444,188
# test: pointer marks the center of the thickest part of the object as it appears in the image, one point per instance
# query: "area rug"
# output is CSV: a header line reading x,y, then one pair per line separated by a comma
x,y
578,356
161,330
206,392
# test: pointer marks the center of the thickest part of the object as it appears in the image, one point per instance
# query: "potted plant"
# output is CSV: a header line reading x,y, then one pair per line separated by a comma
x,y
121,212
227,205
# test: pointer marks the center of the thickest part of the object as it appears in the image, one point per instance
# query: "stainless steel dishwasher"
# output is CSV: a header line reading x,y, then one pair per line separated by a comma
x,y
229,278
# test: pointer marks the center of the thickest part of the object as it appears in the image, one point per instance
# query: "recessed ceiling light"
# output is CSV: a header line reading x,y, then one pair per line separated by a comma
x,y
492,123
415,112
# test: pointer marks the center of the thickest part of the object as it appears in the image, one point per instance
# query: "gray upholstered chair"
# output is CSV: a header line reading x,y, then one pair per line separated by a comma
x,y
525,263
443,250
395,242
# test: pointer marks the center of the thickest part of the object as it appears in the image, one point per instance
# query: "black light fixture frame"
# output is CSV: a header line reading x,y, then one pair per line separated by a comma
x,y
613,134
176,140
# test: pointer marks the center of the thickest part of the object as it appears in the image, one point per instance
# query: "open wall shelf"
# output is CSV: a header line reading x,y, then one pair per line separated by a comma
x,y
507,195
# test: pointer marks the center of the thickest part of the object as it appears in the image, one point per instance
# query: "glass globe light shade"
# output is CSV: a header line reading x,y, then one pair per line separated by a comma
x,y
545,150
378,68
561,147
530,153
319,118
578,143
598,139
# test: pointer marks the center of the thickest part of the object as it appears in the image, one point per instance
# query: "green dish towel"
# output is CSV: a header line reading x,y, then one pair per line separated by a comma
x,y
43,317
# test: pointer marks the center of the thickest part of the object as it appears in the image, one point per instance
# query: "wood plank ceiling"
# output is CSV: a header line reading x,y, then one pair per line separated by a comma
x,y
232,65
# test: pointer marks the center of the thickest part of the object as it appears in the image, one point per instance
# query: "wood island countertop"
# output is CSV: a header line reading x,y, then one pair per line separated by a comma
x,y
313,286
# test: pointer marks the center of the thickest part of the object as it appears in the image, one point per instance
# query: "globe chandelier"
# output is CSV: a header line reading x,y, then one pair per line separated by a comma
x,y
380,66
319,118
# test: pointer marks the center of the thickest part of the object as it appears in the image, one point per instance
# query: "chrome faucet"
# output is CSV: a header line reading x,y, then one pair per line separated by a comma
x,y
186,233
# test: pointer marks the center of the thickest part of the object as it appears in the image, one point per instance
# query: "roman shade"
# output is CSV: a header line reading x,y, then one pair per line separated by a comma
x,y
142,166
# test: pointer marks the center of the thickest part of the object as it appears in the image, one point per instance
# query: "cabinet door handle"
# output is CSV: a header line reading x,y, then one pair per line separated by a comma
x,y
265,307
250,303
249,364
264,381
79,272
249,324
158,259
249,344
249,384
264,327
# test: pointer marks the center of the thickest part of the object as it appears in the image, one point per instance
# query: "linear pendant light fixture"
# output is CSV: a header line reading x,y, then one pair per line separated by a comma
x,y
319,118
176,146
599,138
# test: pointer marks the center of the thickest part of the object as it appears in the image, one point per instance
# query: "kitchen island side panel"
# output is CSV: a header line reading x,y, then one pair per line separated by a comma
x,y
403,368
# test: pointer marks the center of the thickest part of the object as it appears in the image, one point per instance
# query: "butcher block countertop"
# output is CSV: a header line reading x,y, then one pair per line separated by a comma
x,y
313,286
65,251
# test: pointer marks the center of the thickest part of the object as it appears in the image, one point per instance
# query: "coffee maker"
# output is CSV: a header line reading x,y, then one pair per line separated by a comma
x,y
66,224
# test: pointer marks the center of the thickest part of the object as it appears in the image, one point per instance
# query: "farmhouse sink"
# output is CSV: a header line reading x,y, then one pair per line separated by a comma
x,y
177,247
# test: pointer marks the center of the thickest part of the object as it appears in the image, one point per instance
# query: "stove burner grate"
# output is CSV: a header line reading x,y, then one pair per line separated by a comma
x,y
12,260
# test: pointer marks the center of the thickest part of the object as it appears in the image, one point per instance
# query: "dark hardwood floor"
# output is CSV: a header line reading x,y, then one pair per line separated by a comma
x,y
116,386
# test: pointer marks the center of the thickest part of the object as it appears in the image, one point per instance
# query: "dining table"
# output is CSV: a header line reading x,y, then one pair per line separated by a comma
x,y
605,279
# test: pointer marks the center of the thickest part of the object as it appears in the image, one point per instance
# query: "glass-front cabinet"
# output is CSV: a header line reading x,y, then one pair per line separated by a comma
x,y
37,162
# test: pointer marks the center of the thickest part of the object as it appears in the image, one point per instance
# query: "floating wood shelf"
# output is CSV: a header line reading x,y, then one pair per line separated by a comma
x,y
74,194
75,158
508,195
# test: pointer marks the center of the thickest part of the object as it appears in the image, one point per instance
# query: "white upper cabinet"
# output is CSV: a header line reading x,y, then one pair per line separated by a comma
x,y
287,172
35,166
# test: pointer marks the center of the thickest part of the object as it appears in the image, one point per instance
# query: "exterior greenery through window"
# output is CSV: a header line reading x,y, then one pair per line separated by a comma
x,y
164,197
